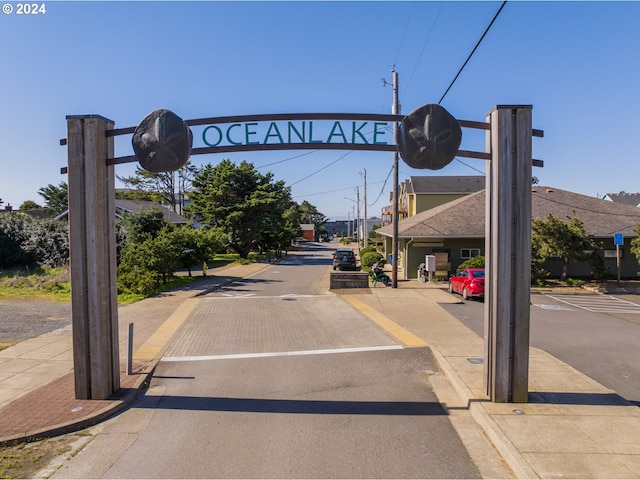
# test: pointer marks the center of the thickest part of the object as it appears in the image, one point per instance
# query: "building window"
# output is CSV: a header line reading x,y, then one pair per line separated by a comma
x,y
467,253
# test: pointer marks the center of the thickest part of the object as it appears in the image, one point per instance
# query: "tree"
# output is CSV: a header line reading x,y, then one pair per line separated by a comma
x,y
30,205
143,224
168,188
635,244
131,194
554,238
310,214
55,198
248,206
197,247
145,265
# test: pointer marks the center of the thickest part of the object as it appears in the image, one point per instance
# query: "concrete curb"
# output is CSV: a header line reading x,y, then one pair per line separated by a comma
x,y
121,404
507,450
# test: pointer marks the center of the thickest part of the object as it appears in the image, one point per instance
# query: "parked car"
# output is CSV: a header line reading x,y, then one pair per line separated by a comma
x,y
469,282
344,259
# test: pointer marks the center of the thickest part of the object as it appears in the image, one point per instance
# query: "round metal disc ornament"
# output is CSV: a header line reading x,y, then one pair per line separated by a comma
x,y
429,137
162,142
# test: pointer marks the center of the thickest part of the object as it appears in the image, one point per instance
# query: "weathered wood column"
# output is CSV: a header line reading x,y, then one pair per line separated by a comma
x,y
508,253
93,257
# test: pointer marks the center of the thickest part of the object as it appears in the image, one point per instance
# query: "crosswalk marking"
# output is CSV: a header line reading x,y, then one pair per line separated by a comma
x,y
199,358
598,303
253,296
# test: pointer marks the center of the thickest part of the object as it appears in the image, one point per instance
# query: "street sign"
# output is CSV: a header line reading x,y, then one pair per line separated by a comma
x,y
618,239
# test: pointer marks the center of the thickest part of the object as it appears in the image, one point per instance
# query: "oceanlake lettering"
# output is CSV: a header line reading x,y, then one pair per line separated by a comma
x,y
303,132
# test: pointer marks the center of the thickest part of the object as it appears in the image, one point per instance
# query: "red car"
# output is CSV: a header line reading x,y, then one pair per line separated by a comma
x,y
469,282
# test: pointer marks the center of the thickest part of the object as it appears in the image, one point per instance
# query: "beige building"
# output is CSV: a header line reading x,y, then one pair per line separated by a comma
x,y
455,231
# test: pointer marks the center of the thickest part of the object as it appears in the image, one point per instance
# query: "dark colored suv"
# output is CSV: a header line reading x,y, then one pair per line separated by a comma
x,y
344,259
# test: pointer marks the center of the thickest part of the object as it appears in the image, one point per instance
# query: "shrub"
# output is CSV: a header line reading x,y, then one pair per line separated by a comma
x,y
475,262
25,240
369,258
143,266
367,250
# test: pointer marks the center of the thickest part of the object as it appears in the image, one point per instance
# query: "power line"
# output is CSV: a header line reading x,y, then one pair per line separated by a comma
x,y
287,159
406,25
323,168
474,50
331,191
424,46
382,189
467,165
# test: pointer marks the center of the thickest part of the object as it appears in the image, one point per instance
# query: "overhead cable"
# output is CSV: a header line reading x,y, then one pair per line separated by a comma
x,y
473,51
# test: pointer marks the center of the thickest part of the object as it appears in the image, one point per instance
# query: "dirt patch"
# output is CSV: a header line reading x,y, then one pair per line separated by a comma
x,y
40,459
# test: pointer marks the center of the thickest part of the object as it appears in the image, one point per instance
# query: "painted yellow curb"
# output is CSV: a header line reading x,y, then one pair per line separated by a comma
x,y
152,348
403,335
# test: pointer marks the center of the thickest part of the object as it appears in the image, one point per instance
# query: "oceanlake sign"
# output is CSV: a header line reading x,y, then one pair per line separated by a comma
x,y
298,132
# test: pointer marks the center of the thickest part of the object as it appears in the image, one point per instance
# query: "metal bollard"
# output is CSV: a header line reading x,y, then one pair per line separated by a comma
x,y
130,350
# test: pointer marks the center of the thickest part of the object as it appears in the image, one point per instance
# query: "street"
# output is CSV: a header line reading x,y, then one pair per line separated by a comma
x,y
269,378
596,334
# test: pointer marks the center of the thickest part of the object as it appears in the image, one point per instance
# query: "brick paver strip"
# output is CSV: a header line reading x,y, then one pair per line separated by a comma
x,y
54,406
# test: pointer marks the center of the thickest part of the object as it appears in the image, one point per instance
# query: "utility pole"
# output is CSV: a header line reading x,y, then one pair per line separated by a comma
x,y
366,227
395,243
358,205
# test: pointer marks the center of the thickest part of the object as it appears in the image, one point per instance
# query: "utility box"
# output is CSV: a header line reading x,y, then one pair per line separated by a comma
x,y
430,263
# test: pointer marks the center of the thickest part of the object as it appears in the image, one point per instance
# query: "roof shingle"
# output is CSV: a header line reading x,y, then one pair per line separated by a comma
x,y
464,217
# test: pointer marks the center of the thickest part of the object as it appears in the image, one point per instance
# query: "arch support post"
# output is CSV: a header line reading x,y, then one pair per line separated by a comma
x,y
92,239
508,253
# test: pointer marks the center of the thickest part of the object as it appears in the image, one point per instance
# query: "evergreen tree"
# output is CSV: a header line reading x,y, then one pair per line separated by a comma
x,y
168,188
248,206
554,238
56,199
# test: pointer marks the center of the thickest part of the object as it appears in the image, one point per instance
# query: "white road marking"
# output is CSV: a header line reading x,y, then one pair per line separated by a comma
x,y
229,296
281,354
551,307
598,303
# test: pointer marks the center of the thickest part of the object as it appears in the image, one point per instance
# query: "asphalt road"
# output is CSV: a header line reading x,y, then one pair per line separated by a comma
x,y
259,383
596,334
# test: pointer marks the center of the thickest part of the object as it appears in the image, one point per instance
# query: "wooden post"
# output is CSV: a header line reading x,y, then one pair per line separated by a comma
x,y
508,253
93,257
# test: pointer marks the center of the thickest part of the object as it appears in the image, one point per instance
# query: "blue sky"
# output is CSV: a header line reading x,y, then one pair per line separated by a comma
x,y
576,63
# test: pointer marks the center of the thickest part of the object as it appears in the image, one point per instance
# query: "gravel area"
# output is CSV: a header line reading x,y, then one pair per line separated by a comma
x,y
24,318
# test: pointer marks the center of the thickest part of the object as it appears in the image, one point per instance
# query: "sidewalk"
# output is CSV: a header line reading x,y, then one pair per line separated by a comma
x,y
37,397
572,426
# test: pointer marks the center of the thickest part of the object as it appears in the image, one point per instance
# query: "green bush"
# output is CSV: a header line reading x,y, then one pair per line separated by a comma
x,y
25,240
475,262
367,250
369,258
144,266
